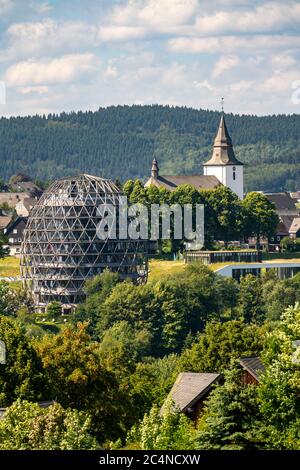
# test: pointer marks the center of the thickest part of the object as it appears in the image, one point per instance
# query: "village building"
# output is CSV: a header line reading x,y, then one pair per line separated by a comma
x,y
189,392
223,168
14,234
253,368
24,206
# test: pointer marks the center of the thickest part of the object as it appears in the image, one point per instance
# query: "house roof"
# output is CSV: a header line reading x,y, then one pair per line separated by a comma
x,y
172,181
223,153
4,221
253,365
14,224
190,387
282,201
295,226
12,199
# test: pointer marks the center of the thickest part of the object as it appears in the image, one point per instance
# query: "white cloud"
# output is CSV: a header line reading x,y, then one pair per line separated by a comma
x,y
60,70
40,90
269,17
225,63
34,38
42,8
120,33
229,44
5,6
155,13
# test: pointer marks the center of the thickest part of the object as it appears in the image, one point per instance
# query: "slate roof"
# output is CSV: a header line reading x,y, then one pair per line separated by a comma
x,y
253,365
295,226
282,201
172,181
4,221
190,387
223,153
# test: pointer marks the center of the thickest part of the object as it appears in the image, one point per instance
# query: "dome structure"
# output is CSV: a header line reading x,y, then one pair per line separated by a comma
x,y
61,247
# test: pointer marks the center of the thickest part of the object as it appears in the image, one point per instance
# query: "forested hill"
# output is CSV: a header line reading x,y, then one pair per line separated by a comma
x,y
120,142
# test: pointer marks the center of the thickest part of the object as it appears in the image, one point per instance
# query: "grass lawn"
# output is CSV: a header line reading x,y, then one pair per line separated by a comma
x,y
9,266
159,268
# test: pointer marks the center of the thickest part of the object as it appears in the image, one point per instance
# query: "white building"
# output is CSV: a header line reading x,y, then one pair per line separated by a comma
x,y
223,164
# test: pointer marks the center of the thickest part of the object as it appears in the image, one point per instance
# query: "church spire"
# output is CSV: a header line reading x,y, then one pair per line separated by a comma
x,y
154,169
223,153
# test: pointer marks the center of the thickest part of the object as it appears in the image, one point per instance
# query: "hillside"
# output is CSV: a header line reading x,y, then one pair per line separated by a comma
x,y
120,142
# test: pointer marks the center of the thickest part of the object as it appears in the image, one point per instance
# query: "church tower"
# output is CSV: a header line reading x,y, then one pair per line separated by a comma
x,y
223,164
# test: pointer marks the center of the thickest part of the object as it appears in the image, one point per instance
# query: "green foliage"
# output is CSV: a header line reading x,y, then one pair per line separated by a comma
x,y
230,416
25,426
219,345
78,379
22,376
251,299
12,300
54,310
260,216
168,431
121,141
122,346
290,244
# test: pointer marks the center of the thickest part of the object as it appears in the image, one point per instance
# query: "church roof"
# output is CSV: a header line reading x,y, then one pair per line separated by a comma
x,y
223,153
172,181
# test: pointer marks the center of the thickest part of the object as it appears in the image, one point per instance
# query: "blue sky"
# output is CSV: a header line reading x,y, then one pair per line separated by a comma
x,y
63,55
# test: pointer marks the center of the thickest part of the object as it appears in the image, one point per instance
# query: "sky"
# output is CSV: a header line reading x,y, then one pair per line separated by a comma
x,y
70,55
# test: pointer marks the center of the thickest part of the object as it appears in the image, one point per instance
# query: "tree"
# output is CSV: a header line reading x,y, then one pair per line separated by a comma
x,y
230,416
78,379
12,300
226,213
122,346
23,375
261,219
54,310
279,390
220,344
251,299
25,426
170,431
97,289
3,241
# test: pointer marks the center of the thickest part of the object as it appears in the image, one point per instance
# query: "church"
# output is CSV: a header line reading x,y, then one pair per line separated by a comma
x,y
223,168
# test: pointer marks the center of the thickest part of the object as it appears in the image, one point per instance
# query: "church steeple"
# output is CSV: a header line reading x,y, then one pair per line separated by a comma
x,y
223,153
154,169
223,163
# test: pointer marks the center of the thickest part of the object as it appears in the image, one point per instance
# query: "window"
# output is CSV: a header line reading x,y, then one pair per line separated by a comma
x,y
15,230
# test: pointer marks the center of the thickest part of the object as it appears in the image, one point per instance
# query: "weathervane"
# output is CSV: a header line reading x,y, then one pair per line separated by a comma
x,y
222,104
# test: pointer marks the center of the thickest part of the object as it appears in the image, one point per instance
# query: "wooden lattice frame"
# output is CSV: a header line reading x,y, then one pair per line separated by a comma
x,y
60,248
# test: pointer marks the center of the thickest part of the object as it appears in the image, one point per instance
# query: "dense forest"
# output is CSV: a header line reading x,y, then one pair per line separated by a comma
x,y
121,141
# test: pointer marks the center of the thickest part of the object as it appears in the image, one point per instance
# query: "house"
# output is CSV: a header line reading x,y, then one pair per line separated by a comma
x,y
14,233
190,391
252,369
289,221
24,206
24,183
223,168
11,199
4,220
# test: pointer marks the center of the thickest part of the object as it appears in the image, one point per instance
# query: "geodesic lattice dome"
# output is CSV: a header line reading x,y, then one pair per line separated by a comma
x,y
61,249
